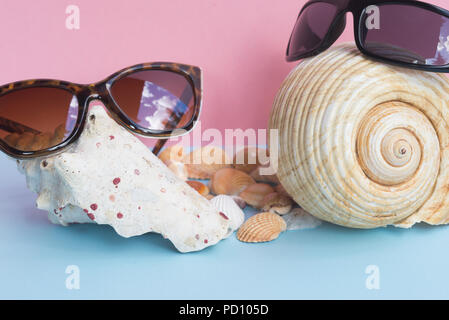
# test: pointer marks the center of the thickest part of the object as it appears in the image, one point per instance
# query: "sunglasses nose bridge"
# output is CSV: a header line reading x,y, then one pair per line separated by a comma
x,y
96,92
97,95
92,99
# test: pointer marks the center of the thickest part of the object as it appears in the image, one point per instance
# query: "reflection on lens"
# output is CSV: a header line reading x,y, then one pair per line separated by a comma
x,y
155,99
408,34
34,119
311,28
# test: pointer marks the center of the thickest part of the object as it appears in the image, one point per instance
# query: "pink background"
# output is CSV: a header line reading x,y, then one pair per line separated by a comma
x,y
240,44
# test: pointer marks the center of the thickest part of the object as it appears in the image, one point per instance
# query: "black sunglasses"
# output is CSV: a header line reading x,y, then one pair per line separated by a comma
x,y
406,33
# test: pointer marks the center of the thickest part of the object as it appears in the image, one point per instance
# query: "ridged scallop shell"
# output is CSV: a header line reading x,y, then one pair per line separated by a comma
x,y
260,177
227,205
255,193
200,187
230,181
202,163
249,159
364,144
262,227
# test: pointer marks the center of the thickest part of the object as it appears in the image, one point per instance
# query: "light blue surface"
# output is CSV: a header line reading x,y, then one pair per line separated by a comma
x,y
327,262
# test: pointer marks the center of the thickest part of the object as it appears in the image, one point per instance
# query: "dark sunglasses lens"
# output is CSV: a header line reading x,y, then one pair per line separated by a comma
x,y
311,28
406,33
34,119
155,99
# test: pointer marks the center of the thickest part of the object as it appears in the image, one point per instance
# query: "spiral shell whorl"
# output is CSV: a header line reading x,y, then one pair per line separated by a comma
x,y
363,144
391,142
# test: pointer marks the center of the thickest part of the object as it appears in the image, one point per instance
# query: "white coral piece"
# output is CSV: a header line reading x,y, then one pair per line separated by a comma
x,y
110,177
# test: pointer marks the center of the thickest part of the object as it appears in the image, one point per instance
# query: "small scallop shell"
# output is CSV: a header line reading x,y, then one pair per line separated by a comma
x,y
173,153
255,193
178,168
200,187
259,176
230,181
227,205
248,159
202,163
262,227
277,203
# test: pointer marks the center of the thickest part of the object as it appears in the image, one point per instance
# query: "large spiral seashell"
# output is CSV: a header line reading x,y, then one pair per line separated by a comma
x,y
364,144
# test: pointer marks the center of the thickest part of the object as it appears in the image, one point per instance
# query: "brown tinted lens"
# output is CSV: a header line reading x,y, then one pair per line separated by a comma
x,y
33,119
155,99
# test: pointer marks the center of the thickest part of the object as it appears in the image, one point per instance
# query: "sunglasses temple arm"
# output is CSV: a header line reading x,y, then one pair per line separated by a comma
x,y
157,148
15,127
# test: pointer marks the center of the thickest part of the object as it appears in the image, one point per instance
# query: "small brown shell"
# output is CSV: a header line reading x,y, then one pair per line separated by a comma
x,y
240,202
202,163
281,190
277,203
230,181
262,227
255,193
257,174
172,153
199,186
249,159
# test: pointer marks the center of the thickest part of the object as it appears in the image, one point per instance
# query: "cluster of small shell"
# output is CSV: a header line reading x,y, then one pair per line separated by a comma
x,y
235,182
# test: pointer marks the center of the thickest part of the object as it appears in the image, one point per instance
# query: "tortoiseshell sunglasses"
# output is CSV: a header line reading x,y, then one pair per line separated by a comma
x,y
42,117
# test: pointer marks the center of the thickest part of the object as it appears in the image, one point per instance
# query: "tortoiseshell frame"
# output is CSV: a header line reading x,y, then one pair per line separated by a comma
x,y
85,93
